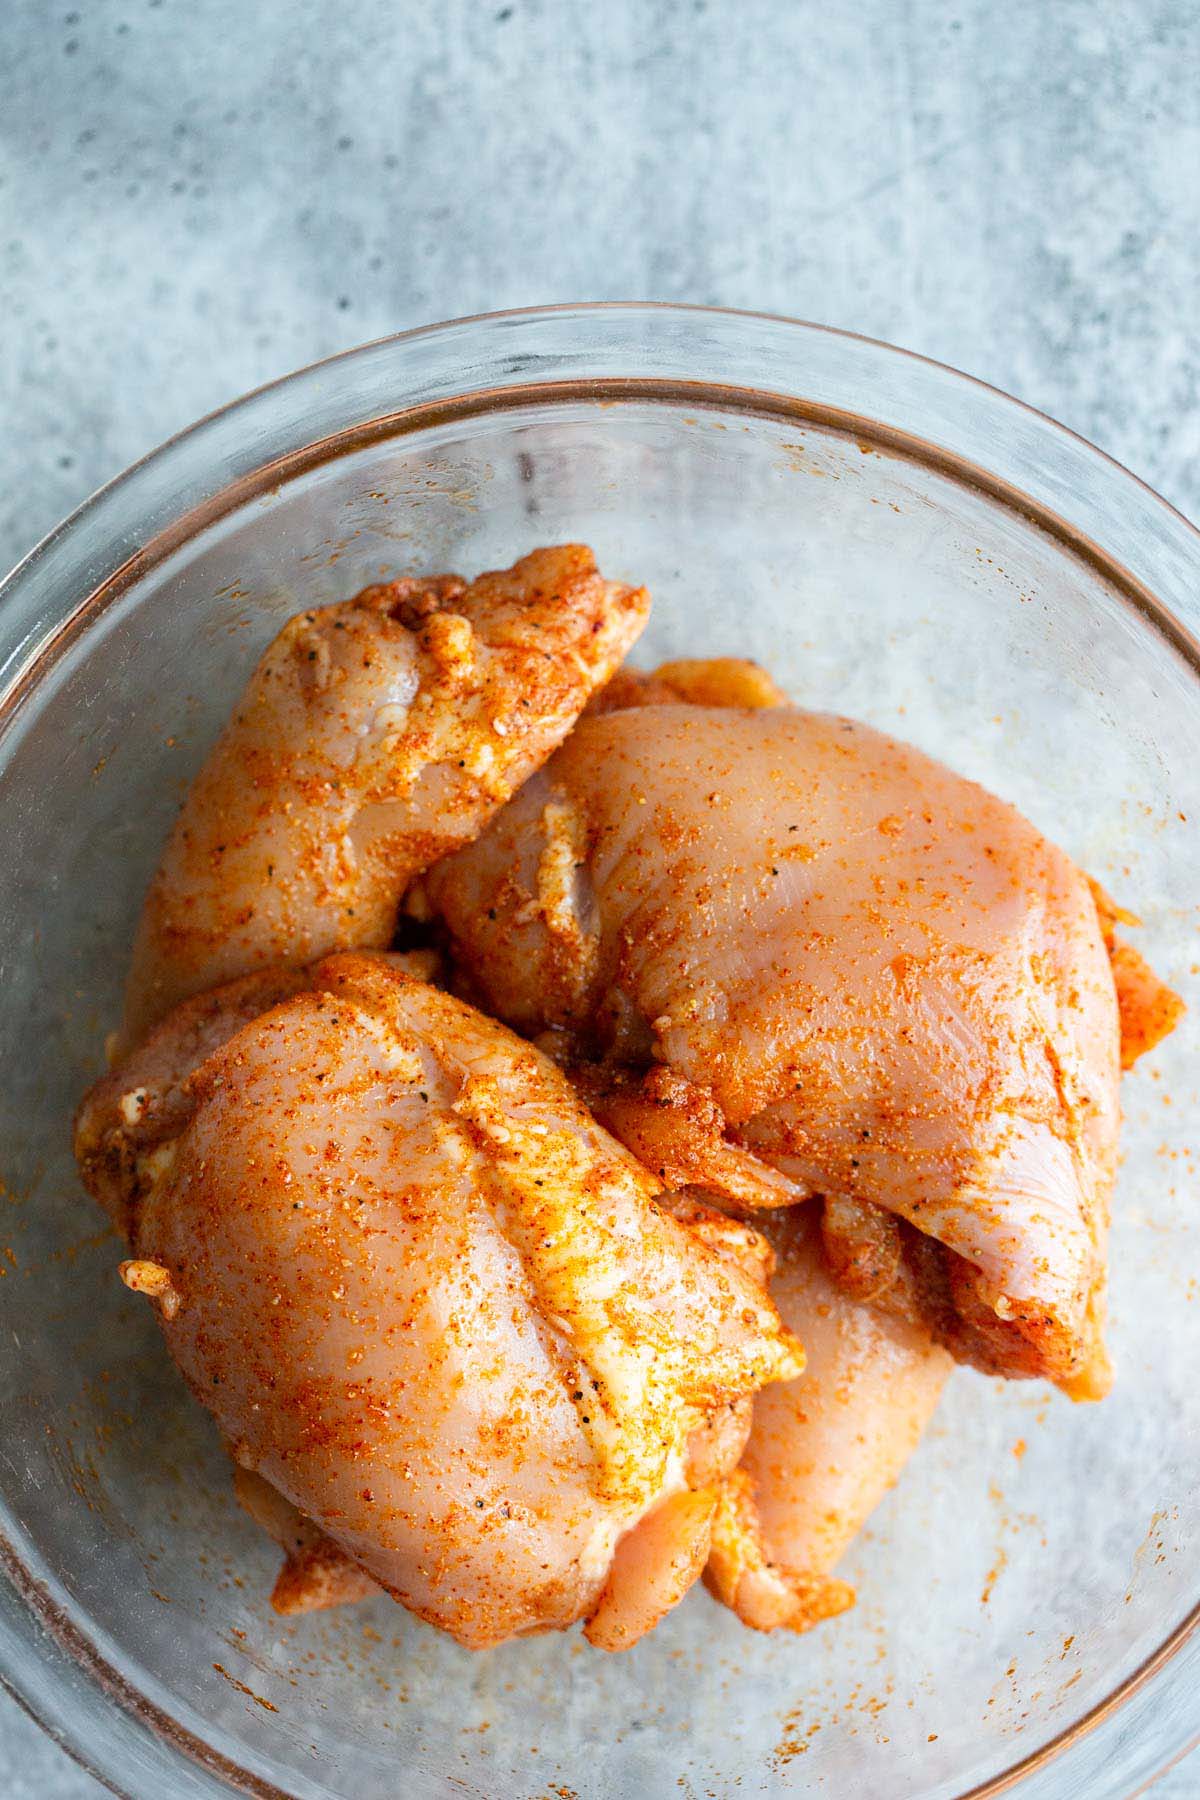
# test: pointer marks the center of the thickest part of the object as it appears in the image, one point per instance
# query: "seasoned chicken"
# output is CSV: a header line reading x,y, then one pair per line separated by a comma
x,y
825,1449
374,736
700,681
432,1305
316,1573
878,982
1148,1009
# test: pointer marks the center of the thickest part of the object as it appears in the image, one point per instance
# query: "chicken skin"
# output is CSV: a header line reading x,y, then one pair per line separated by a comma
x,y
881,983
374,736
431,1303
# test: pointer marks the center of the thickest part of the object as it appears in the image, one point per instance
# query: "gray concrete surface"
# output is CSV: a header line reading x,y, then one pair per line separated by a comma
x,y
196,197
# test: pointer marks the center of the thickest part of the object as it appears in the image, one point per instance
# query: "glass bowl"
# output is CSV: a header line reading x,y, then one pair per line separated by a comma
x,y
893,541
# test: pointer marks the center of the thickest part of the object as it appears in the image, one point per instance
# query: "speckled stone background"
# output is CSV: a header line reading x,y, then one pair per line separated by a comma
x,y
195,197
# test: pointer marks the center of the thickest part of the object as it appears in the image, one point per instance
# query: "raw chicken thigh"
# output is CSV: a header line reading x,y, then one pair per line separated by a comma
x,y
374,736
825,1449
499,1340
878,984
431,1303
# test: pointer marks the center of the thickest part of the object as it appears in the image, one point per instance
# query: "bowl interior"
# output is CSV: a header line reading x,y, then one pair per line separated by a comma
x,y
1033,1556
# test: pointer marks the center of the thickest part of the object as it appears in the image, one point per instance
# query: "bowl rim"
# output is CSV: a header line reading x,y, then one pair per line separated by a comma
x,y
585,309
25,658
